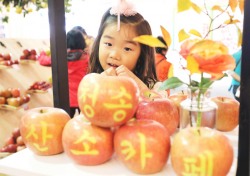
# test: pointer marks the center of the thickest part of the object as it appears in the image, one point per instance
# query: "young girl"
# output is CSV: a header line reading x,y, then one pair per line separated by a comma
x,y
115,53
77,66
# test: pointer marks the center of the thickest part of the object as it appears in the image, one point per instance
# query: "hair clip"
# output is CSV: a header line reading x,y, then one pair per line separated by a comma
x,y
122,8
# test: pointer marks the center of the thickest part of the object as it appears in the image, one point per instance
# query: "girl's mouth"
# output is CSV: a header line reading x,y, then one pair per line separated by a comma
x,y
112,65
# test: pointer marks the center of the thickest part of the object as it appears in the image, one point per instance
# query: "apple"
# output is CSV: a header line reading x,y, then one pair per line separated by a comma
x,y
142,145
33,52
6,93
162,110
178,97
26,52
108,101
85,143
2,100
14,101
11,148
41,129
201,151
15,92
227,113
7,56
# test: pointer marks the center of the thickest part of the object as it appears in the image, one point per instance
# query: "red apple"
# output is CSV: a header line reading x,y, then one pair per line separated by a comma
x,y
2,100
201,151
108,101
162,110
41,129
7,56
143,146
227,113
26,52
87,144
15,92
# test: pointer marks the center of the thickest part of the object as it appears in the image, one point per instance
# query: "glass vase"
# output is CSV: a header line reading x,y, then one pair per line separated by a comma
x,y
198,110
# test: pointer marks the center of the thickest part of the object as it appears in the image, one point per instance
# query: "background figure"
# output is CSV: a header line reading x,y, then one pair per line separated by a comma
x,y
77,66
161,63
236,74
115,53
89,40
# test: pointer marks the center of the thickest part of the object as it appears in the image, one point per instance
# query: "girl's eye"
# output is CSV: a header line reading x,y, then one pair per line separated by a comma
x,y
108,44
127,49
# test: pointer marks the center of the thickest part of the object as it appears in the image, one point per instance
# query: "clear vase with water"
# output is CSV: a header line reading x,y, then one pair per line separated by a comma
x,y
198,110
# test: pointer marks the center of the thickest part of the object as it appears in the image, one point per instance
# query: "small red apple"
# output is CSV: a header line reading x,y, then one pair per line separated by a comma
x,y
2,100
201,151
15,92
162,110
87,144
227,113
41,129
108,101
7,56
143,146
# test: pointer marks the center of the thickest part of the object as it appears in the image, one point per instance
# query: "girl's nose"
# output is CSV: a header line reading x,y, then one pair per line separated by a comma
x,y
115,54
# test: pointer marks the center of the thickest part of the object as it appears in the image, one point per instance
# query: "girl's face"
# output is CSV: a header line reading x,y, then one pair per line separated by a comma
x,y
118,48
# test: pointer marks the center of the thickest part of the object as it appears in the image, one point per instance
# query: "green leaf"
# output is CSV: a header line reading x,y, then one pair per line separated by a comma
x,y
171,83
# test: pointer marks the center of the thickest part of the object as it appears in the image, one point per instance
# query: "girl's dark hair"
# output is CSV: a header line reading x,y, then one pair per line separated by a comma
x,y
160,49
75,40
145,66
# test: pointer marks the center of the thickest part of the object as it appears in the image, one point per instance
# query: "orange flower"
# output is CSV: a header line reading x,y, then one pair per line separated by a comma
x,y
186,46
210,57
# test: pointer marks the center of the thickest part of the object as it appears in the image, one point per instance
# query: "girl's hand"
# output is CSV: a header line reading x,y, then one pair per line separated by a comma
x,y
124,71
109,72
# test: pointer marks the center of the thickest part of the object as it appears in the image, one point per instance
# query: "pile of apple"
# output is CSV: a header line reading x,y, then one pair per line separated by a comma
x,y
14,143
40,86
13,97
227,112
30,55
115,123
6,60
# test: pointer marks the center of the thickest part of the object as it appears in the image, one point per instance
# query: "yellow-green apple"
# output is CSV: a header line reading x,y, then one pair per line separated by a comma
x,y
85,143
41,129
201,151
162,110
143,146
227,113
108,101
14,101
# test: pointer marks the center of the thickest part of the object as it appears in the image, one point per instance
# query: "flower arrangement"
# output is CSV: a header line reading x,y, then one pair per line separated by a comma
x,y
205,58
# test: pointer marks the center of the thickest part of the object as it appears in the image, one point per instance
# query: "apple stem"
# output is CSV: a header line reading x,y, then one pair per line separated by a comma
x,y
42,111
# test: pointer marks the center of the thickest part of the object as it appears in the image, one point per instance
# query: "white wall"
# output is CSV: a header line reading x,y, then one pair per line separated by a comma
x,y
88,13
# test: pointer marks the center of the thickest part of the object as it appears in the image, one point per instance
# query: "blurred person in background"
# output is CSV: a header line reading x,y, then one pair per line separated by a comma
x,y
78,60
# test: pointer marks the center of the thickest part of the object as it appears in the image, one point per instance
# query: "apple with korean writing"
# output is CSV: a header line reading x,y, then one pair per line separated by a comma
x,y
143,146
162,110
227,113
41,129
201,151
87,144
108,101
